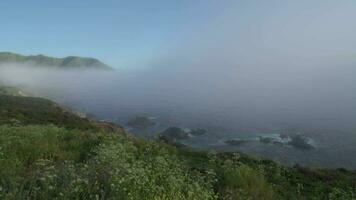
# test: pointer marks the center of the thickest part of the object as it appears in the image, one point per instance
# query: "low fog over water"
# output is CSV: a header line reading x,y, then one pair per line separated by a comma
x,y
312,98
228,104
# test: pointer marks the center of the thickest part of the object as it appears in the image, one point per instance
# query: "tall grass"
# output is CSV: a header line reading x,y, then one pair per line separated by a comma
x,y
46,162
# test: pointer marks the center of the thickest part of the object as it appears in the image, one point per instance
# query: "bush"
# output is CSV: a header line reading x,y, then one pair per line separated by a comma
x,y
46,162
22,148
150,172
243,182
35,111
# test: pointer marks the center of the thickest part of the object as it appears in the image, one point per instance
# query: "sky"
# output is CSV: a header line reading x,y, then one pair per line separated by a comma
x,y
132,33
120,32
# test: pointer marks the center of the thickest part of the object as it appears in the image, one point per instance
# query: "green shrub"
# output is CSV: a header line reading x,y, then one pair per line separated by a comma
x,y
150,172
22,147
37,111
338,193
243,182
46,162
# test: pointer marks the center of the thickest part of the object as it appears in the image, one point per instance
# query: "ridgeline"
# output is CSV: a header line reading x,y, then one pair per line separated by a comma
x,y
46,61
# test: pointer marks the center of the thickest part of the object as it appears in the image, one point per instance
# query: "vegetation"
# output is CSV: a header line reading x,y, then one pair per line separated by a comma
x,y
52,154
29,110
173,135
41,60
13,91
46,162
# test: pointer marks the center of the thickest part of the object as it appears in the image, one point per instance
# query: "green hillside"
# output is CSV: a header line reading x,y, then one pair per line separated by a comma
x,y
47,152
13,91
41,60
30,110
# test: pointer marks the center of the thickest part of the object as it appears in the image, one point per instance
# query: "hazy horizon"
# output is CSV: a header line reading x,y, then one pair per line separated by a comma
x,y
131,35
234,65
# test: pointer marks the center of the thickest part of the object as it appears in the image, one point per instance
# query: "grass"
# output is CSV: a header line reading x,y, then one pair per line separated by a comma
x,y
49,153
42,162
29,110
13,91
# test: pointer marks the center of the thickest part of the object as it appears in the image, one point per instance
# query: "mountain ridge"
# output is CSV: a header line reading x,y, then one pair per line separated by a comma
x,y
43,60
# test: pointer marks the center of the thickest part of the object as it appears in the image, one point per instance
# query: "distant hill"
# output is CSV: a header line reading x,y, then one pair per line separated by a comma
x,y
41,60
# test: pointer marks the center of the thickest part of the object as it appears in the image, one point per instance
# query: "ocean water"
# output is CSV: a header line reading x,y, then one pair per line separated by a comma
x,y
334,148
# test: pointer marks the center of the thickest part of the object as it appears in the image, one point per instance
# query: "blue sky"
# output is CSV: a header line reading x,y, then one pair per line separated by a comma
x,y
128,33
119,32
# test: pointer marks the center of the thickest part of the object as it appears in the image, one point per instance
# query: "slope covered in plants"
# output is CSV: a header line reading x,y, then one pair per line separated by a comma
x,y
50,153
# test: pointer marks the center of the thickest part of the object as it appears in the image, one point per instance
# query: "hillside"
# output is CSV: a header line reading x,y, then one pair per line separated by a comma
x,y
31,110
13,91
41,60
47,152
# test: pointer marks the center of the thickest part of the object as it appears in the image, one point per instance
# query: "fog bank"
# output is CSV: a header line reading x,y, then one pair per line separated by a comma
x,y
300,97
256,63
